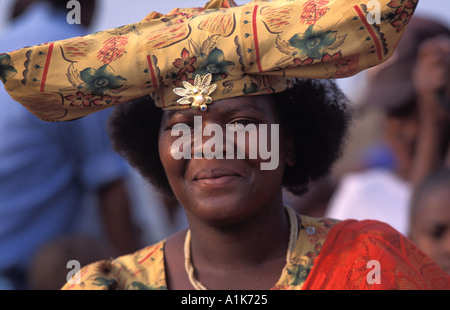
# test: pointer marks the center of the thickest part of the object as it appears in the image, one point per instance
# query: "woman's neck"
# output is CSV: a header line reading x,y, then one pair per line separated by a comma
x,y
255,248
246,241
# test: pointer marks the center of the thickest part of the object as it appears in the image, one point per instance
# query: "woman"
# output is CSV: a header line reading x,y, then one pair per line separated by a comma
x,y
233,206
229,67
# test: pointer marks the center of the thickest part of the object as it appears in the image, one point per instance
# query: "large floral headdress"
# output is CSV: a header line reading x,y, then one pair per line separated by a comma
x,y
216,52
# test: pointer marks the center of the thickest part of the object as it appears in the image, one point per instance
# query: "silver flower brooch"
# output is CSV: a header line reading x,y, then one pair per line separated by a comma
x,y
197,95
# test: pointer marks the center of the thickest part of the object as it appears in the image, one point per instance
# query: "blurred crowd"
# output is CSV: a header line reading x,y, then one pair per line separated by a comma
x,y
396,164
65,195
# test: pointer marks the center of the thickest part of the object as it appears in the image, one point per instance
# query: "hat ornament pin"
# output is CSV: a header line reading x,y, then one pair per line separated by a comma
x,y
197,95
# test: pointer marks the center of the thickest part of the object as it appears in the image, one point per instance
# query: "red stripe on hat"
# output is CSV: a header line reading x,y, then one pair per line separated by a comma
x,y
370,30
255,38
154,79
152,72
47,65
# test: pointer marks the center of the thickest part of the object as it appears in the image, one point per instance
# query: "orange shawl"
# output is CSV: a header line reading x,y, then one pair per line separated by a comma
x,y
350,245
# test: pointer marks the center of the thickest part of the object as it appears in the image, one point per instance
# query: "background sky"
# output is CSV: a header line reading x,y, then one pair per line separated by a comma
x,y
115,13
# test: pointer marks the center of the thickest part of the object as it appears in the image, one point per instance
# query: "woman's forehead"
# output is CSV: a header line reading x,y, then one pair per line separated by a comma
x,y
262,104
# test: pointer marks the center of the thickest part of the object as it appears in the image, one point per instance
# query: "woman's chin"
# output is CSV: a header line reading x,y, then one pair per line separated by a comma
x,y
222,210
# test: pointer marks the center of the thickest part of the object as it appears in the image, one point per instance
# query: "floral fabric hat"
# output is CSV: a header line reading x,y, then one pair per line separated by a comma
x,y
204,54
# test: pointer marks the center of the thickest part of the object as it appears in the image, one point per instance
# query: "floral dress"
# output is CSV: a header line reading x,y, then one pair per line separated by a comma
x,y
145,270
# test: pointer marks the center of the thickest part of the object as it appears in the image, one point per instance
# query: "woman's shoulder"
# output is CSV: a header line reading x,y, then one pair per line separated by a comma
x,y
351,233
142,270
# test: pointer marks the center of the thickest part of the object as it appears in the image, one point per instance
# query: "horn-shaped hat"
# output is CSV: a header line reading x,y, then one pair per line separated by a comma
x,y
205,54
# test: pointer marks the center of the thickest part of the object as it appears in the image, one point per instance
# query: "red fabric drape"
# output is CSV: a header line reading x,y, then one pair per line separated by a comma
x,y
350,245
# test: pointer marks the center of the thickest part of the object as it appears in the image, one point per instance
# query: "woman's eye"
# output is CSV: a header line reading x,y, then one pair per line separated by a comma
x,y
181,126
243,122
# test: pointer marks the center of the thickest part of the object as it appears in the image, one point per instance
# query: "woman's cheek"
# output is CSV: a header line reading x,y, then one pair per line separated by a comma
x,y
167,153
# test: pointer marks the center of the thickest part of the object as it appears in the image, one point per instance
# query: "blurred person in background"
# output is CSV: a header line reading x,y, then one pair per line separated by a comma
x,y
411,89
56,259
50,180
430,203
157,215
430,217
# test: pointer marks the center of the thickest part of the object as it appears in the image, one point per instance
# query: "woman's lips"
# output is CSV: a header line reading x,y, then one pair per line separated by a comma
x,y
220,181
215,177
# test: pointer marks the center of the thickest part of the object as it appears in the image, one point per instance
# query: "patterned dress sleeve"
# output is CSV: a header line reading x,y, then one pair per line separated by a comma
x,y
143,270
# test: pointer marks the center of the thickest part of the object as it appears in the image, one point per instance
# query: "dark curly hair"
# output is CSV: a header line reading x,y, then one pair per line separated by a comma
x,y
315,112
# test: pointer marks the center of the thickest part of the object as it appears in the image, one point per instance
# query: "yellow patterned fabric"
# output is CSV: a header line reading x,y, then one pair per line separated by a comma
x,y
249,50
144,270
329,254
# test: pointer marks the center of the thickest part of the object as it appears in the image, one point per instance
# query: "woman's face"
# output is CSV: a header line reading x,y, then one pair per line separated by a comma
x,y
229,190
